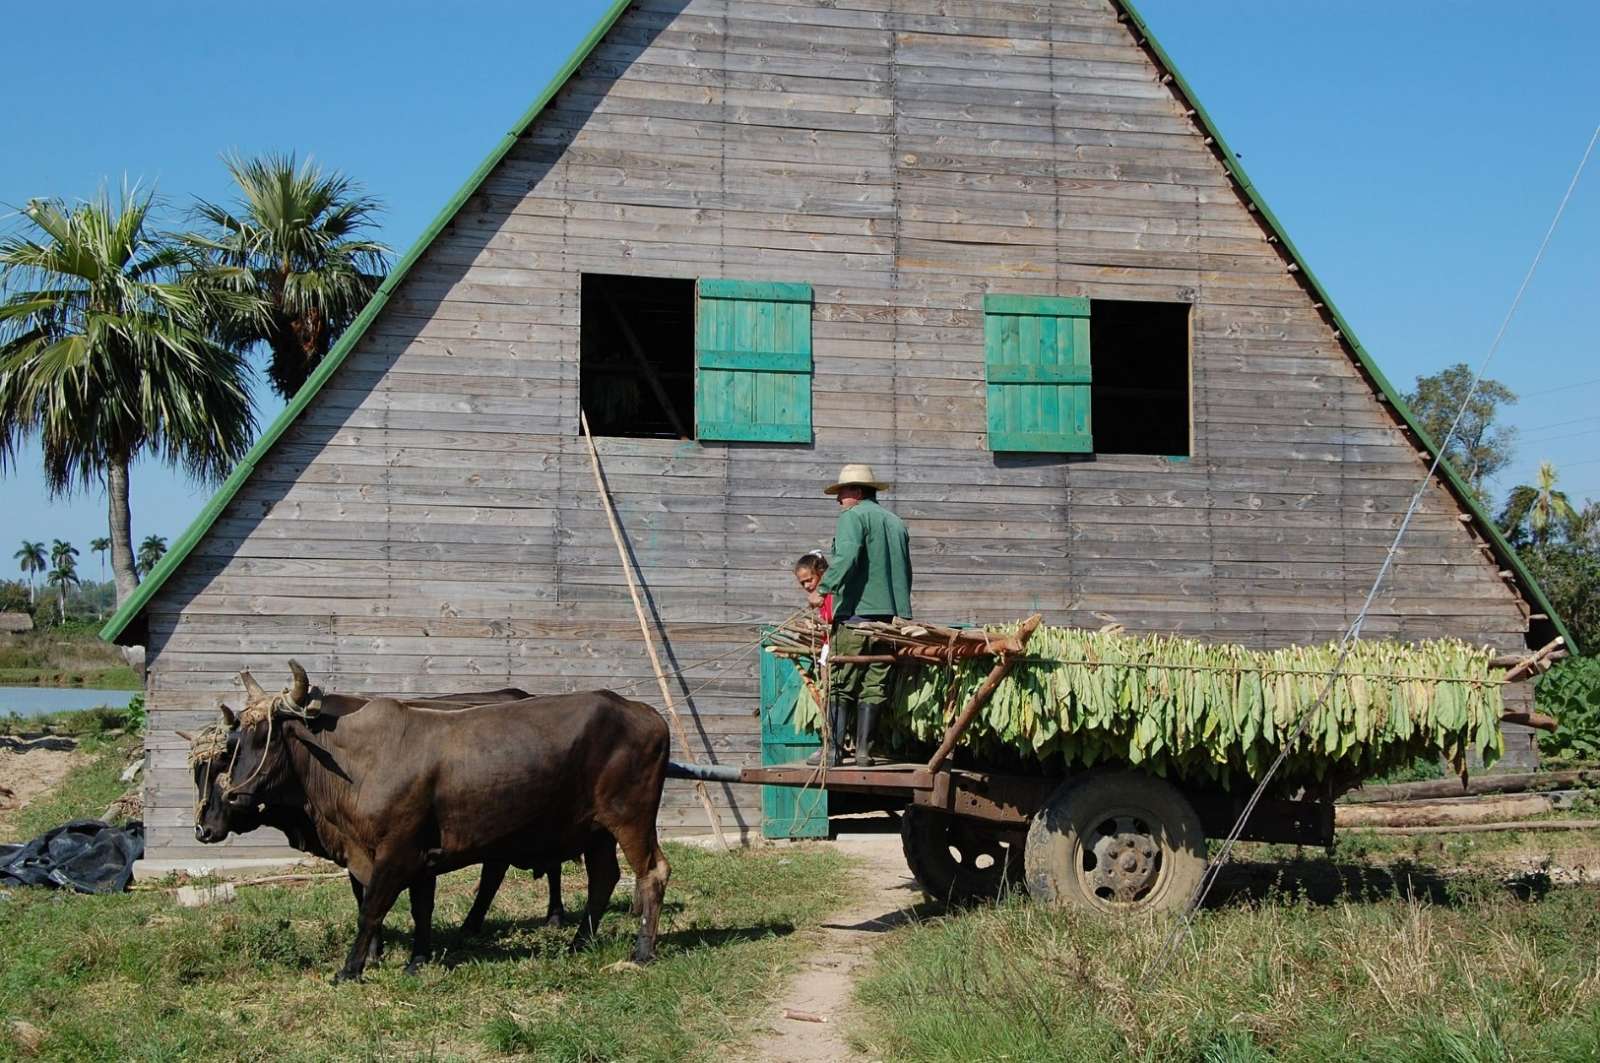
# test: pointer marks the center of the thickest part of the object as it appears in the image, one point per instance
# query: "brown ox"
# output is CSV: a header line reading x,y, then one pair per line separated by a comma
x,y
399,793
214,820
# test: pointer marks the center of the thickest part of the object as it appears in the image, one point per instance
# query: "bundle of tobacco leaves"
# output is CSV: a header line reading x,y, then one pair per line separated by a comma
x,y
1204,711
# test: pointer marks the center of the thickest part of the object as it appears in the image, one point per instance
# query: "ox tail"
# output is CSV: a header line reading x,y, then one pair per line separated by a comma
x,y
703,772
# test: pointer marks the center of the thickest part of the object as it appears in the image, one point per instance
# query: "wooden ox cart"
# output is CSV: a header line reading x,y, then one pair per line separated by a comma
x,y
1115,839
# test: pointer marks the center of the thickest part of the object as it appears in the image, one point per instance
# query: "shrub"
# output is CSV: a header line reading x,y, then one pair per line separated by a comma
x,y
1571,693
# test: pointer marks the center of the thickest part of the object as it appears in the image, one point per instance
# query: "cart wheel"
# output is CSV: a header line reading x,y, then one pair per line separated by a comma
x,y
956,861
1122,842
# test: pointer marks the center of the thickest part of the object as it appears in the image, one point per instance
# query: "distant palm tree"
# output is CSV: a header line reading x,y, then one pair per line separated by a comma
x,y
150,552
63,575
100,546
295,241
32,560
60,548
1539,509
108,352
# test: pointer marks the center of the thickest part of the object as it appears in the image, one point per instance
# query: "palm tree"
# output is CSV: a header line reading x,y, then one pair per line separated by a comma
x,y
100,546
32,560
1538,510
61,548
107,352
295,241
150,551
64,574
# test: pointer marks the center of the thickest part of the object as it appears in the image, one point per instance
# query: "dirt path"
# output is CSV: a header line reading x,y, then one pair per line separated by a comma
x,y
842,946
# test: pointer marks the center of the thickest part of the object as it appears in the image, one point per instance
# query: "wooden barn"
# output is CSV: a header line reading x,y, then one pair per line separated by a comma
x,y
994,248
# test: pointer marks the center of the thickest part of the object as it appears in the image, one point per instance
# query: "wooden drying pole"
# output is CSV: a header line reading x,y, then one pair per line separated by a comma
x,y
1551,652
644,629
981,696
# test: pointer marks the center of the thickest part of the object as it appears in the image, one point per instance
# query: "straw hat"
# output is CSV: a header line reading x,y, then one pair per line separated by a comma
x,y
855,476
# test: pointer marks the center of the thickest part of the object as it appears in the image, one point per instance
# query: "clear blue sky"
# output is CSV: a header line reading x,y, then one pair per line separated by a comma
x,y
1416,161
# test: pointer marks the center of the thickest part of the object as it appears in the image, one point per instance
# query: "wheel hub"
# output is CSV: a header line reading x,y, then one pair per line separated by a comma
x,y
1123,862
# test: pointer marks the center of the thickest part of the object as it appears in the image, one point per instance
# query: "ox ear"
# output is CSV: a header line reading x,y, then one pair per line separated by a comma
x,y
229,717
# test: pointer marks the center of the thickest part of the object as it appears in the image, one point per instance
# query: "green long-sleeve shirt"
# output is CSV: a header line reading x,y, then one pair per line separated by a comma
x,y
869,573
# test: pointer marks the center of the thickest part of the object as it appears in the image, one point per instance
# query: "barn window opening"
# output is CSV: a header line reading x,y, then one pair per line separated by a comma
x,y
636,371
1140,393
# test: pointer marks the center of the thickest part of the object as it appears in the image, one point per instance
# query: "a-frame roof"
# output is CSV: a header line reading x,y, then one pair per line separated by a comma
x,y
122,626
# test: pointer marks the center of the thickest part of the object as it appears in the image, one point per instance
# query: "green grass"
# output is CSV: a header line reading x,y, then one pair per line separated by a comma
x,y
76,723
134,977
1471,974
84,793
70,656
112,677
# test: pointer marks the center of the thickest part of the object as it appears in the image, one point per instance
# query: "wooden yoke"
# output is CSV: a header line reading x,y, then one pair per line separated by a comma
x,y
1009,652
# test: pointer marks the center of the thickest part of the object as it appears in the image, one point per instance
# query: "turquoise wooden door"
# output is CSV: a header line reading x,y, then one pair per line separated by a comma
x,y
786,811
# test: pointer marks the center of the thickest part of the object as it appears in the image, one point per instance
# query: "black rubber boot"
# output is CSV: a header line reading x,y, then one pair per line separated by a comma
x,y
866,716
836,726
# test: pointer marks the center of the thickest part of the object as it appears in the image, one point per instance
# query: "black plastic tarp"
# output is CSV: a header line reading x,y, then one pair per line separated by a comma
x,y
85,855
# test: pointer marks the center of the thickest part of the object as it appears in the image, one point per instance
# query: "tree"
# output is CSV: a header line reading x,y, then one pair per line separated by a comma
x,y
100,546
1534,512
63,575
1479,448
61,548
150,552
31,558
107,352
1570,577
294,240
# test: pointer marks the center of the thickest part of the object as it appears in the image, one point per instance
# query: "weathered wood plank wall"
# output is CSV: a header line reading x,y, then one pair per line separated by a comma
x,y
430,523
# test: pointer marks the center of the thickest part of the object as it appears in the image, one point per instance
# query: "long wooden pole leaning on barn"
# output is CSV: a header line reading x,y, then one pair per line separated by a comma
x,y
644,628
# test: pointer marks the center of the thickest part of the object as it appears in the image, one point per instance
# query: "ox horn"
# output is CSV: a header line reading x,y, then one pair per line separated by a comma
x,y
251,686
301,685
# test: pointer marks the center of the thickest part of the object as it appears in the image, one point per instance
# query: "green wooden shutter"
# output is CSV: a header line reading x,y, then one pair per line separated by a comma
x,y
1036,349
753,361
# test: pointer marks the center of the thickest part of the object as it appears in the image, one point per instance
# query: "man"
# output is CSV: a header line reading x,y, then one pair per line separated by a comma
x,y
869,576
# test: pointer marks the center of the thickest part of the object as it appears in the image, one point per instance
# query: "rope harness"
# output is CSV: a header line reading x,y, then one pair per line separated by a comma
x,y
206,749
211,743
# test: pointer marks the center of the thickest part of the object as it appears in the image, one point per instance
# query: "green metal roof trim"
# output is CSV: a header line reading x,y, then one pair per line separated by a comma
x,y
117,628
1458,487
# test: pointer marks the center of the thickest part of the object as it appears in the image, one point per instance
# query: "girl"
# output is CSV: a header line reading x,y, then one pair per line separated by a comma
x,y
808,573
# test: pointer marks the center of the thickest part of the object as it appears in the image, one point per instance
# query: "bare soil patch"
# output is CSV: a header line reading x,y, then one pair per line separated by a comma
x,y
31,768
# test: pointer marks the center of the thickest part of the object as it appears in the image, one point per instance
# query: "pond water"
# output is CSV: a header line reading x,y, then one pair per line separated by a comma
x,y
34,701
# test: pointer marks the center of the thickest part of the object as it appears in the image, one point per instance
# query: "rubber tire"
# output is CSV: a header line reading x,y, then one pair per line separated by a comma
x,y
925,836
1080,805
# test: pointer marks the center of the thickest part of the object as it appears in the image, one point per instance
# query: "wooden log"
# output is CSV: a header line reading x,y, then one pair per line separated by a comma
x,y
1533,662
1537,720
1483,784
1487,809
1478,828
981,696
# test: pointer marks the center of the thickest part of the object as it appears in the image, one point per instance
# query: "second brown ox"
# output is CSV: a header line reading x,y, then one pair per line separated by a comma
x,y
399,793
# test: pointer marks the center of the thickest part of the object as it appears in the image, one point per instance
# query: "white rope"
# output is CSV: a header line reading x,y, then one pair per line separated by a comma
x,y
1214,868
